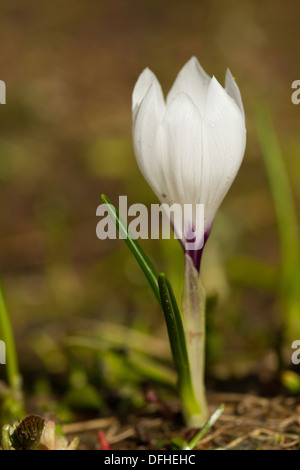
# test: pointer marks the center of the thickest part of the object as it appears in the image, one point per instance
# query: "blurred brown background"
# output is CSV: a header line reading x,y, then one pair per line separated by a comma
x,y
65,138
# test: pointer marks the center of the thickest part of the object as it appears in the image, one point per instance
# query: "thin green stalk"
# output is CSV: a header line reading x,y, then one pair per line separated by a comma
x,y
13,375
284,206
134,246
286,217
208,425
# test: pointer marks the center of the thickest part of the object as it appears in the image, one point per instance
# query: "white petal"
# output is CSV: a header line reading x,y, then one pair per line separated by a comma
x,y
145,126
182,146
224,140
233,91
181,156
193,81
142,85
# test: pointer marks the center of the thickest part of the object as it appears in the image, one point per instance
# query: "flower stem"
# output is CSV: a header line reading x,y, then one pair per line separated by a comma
x,y
193,312
190,405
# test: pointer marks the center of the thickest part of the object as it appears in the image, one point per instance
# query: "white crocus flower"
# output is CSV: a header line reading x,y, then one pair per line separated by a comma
x,y
190,147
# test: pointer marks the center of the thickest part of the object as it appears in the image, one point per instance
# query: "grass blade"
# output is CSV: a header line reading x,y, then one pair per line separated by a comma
x,y
13,375
285,209
208,425
286,217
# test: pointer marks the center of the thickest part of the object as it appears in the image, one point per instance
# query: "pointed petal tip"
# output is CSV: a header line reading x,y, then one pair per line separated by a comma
x,y
147,72
233,90
229,93
193,60
214,83
192,80
229,79
143,83
194,64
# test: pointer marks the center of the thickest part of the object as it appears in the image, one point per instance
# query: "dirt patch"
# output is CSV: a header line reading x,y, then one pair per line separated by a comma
x,y
249,422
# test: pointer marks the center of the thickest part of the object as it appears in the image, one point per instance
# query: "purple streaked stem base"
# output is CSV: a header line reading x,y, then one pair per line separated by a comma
x,y
196,255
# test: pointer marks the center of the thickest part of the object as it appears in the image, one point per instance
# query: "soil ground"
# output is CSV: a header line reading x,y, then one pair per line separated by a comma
x,y
248,422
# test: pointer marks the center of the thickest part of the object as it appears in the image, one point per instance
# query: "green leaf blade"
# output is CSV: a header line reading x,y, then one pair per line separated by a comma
x,y
178,346
134,247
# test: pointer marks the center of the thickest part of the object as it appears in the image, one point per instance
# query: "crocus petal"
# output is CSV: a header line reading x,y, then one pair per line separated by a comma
x,y
142,85
145,126
181,149
224,140
233,91
193,81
